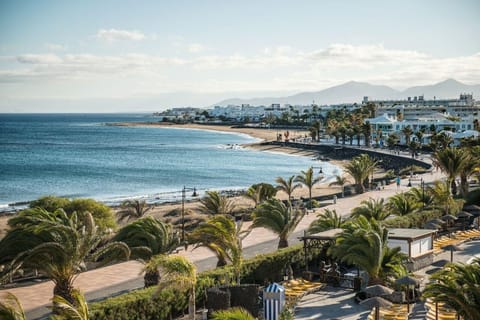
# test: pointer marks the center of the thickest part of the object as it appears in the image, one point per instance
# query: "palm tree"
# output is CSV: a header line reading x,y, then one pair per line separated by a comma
x,y
469,168
459,287
278,218
360,169
419,135
367,132
11,308
364,243
402,204
407,132
236,313
133,209
65,310
63,246
306,178
287,186
260,192
340,181
442,198
327,220
422,196
452,162
180,274
221,235
147,237
214,203
372,208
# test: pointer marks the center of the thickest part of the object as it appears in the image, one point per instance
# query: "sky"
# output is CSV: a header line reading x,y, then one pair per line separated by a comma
x,y
121,56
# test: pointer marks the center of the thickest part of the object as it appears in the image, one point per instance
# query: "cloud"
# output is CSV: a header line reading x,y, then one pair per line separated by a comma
x,y
112,35
276,68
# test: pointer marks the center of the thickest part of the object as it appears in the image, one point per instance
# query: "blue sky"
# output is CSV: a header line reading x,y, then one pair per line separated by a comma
x,y
108,56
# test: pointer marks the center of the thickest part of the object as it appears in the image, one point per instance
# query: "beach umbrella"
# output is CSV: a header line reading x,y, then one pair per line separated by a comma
x,y
437,221
377,290
377,303
452,247
431,225
471,207
464,214
448,217
408,281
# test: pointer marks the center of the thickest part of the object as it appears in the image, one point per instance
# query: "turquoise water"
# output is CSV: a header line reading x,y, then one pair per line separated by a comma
x,y
77,155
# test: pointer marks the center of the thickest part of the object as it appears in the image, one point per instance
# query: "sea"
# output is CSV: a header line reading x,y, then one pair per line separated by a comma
x,y
84,155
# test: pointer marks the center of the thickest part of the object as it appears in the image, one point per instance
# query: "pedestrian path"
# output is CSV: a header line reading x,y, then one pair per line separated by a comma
x,y
125,276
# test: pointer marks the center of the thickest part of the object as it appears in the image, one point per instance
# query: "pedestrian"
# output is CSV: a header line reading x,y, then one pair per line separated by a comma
x,y
398,182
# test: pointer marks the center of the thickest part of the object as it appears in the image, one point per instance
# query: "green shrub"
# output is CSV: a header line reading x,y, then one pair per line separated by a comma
x,y
143,304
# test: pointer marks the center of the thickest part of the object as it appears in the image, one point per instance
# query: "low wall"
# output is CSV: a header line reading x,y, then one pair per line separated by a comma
x,y
345,152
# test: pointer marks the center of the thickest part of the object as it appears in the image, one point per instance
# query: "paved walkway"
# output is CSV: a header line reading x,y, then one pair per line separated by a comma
x,y
122,277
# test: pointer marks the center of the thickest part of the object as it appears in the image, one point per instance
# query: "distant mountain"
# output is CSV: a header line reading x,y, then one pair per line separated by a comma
x,y
355,91
449,88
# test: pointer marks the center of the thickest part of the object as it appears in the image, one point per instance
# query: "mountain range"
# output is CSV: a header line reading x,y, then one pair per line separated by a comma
x,y
353,91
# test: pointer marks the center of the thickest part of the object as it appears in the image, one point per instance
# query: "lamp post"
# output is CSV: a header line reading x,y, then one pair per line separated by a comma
x,y
194,194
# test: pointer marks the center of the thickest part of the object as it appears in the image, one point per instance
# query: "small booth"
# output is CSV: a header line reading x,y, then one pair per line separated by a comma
x,y
417,244
273,301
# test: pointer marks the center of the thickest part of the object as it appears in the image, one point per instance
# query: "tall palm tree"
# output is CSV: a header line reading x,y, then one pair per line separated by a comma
x,y
367,132
66,310
360,169
308,180
459,287
221,235
421,196
407,132
327,220
340,181
372,208
364,243
402,204
260,192
442,198
63,247
468,169
214,203
279,218
11,308
147,237
451,161
419,135
133,209
287,186
180,274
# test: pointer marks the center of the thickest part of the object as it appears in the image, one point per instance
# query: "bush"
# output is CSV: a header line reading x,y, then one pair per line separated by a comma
x,y
102,214
142,304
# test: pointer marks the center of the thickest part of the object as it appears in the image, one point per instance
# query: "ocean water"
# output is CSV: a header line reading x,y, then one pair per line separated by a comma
x,y
79,155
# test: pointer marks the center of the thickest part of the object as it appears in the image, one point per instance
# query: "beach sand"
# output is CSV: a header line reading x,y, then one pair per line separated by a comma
x,y
192,208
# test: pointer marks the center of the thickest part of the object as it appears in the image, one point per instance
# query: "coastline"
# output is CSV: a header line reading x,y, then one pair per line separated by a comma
x,y
159,210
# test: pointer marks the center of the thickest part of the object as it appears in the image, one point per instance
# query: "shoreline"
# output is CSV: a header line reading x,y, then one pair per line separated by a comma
x,y
159,209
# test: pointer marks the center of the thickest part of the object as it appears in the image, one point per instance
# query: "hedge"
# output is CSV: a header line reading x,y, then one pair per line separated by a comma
x,y
144,304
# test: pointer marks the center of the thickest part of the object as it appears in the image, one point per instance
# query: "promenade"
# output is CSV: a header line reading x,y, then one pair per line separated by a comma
x,y
122,277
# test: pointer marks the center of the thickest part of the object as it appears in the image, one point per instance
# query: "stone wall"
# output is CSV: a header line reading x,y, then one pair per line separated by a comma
x,y
345,152
420,262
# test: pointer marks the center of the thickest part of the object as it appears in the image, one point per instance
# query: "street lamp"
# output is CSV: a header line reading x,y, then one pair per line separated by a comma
x,y
194,194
